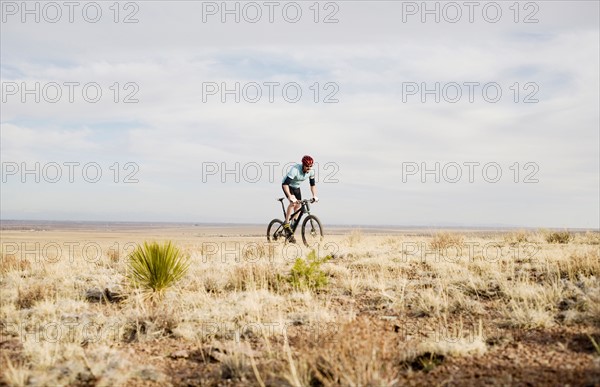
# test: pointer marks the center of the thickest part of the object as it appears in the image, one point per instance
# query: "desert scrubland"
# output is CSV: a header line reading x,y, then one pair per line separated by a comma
x,y
374,308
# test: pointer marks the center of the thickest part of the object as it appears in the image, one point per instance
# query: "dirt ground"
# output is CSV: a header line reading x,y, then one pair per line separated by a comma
x,y
388,315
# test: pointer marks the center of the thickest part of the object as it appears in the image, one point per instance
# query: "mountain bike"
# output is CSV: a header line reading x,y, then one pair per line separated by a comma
x,y
312,230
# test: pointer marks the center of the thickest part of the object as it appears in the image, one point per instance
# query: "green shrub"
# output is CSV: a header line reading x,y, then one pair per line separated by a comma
x,y
559,237
155,267
307,273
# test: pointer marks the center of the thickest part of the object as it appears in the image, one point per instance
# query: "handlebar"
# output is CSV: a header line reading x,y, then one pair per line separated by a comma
x,y
300,201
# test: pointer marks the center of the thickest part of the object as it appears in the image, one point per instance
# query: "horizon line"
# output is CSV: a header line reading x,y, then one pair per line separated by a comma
x,y
333,225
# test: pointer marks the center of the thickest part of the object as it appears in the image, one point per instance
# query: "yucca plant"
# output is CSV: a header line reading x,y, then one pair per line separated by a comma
x,y
156,267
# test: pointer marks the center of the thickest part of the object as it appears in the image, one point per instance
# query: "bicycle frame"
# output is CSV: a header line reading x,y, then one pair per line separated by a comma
x,y
304,209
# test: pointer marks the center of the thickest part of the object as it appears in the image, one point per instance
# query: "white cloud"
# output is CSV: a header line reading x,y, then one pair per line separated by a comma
x,y
170,132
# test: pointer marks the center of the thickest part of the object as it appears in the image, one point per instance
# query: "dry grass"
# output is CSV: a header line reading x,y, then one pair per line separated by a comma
x,y
562,237
255,277
445,240
9,262
28,296
16,374
586,264
346,332
363,361
354,238
518,237
456,344
235,364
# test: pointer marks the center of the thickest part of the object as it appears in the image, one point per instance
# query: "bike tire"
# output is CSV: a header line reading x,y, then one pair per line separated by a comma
x,y
275,231
312,230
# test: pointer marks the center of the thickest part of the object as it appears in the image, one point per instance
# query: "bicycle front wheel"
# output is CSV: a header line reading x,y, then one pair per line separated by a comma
x,y
312,231
275,231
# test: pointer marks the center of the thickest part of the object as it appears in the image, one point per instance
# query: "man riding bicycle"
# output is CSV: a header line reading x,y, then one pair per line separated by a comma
x,y
291,188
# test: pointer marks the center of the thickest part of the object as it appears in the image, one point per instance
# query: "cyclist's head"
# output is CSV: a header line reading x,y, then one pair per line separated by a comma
x,y
307,161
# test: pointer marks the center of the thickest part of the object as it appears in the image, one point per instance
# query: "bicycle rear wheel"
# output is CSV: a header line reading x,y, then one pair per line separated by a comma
x,y
275,231
312,231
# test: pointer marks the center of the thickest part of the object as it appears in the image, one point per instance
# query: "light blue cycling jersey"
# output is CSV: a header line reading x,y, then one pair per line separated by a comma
x,y
298,176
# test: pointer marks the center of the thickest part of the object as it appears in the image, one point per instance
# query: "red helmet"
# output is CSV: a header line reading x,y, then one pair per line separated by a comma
x,y
307,161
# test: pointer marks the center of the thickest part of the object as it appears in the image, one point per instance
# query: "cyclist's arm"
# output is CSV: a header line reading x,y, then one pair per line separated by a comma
x,y
313,187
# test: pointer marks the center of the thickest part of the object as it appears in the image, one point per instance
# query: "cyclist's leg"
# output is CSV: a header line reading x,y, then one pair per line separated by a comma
x,y
298,194
289,209
292,206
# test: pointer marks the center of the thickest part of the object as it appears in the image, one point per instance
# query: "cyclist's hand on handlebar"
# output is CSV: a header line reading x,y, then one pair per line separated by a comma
x,y
315,199
293,199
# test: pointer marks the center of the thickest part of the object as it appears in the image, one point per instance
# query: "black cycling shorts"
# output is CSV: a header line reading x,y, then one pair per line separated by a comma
x,y
294,191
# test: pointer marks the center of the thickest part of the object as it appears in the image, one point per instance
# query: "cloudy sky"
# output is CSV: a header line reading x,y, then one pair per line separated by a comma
x,y
468,115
